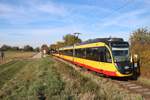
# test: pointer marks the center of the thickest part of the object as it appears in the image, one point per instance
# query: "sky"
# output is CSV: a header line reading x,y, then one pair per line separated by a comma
x,y
37,22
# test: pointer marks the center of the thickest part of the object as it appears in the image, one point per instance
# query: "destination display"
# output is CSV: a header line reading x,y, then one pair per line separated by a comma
x,y
122,44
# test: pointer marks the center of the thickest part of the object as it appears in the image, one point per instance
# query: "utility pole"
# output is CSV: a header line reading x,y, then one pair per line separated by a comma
x,y
76,35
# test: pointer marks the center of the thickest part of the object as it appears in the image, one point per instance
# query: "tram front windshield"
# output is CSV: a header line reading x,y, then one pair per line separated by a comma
x,y
120,52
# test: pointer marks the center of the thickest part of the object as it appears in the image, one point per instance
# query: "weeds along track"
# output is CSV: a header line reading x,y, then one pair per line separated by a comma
x,y
130,85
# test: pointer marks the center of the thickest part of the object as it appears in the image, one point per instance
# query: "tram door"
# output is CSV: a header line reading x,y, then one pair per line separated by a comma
x,y
105,59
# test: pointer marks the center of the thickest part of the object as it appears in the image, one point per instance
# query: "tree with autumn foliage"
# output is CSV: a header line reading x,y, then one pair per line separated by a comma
x,y
140,40
140,44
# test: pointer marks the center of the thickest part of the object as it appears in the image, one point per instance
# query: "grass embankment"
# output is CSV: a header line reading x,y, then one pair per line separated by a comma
x,y
85,86
144,79
15,55
46,78
145,69
7,71
38,78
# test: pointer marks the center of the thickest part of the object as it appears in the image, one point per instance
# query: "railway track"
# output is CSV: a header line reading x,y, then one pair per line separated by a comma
x,y
131,86
135,87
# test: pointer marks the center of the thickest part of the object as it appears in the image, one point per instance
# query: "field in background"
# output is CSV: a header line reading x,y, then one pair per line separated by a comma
x,y
14,55
53,80
12,63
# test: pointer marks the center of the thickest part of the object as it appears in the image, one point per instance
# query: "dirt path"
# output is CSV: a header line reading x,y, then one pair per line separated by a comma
x,y
37,56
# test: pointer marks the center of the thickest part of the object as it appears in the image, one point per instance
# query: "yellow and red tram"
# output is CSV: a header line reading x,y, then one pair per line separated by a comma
x,y
108,56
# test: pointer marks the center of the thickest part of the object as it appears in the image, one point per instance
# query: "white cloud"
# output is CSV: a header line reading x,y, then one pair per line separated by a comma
x,y
5,8
30,11
51,8
77,18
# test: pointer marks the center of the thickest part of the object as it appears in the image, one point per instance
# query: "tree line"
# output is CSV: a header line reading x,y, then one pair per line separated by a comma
x,y
67,40
16,48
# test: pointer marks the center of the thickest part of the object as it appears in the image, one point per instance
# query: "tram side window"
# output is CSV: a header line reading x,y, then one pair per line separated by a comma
x,y
102,55
80,53
105,55
108,56
68,52
62,52
76,53
88,53
92,54
65,52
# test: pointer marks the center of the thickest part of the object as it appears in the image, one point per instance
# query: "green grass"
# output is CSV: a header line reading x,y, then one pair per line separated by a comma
x,y
57,81
9,70
36,77
6,65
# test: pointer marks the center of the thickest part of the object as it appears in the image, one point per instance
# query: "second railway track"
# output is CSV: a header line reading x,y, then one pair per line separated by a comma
x,y
132,86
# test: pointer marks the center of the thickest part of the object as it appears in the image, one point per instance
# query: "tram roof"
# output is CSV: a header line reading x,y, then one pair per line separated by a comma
x,y
103,40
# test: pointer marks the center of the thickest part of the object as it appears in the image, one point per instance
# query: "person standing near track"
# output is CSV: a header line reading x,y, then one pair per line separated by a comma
x,y
137,64
2,55
135,59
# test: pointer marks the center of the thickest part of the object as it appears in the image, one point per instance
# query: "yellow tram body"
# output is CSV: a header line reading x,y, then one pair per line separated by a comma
x,y
97,66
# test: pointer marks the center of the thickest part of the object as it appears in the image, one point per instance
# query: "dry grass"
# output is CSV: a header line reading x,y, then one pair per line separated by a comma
x,y
144,81
13,55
